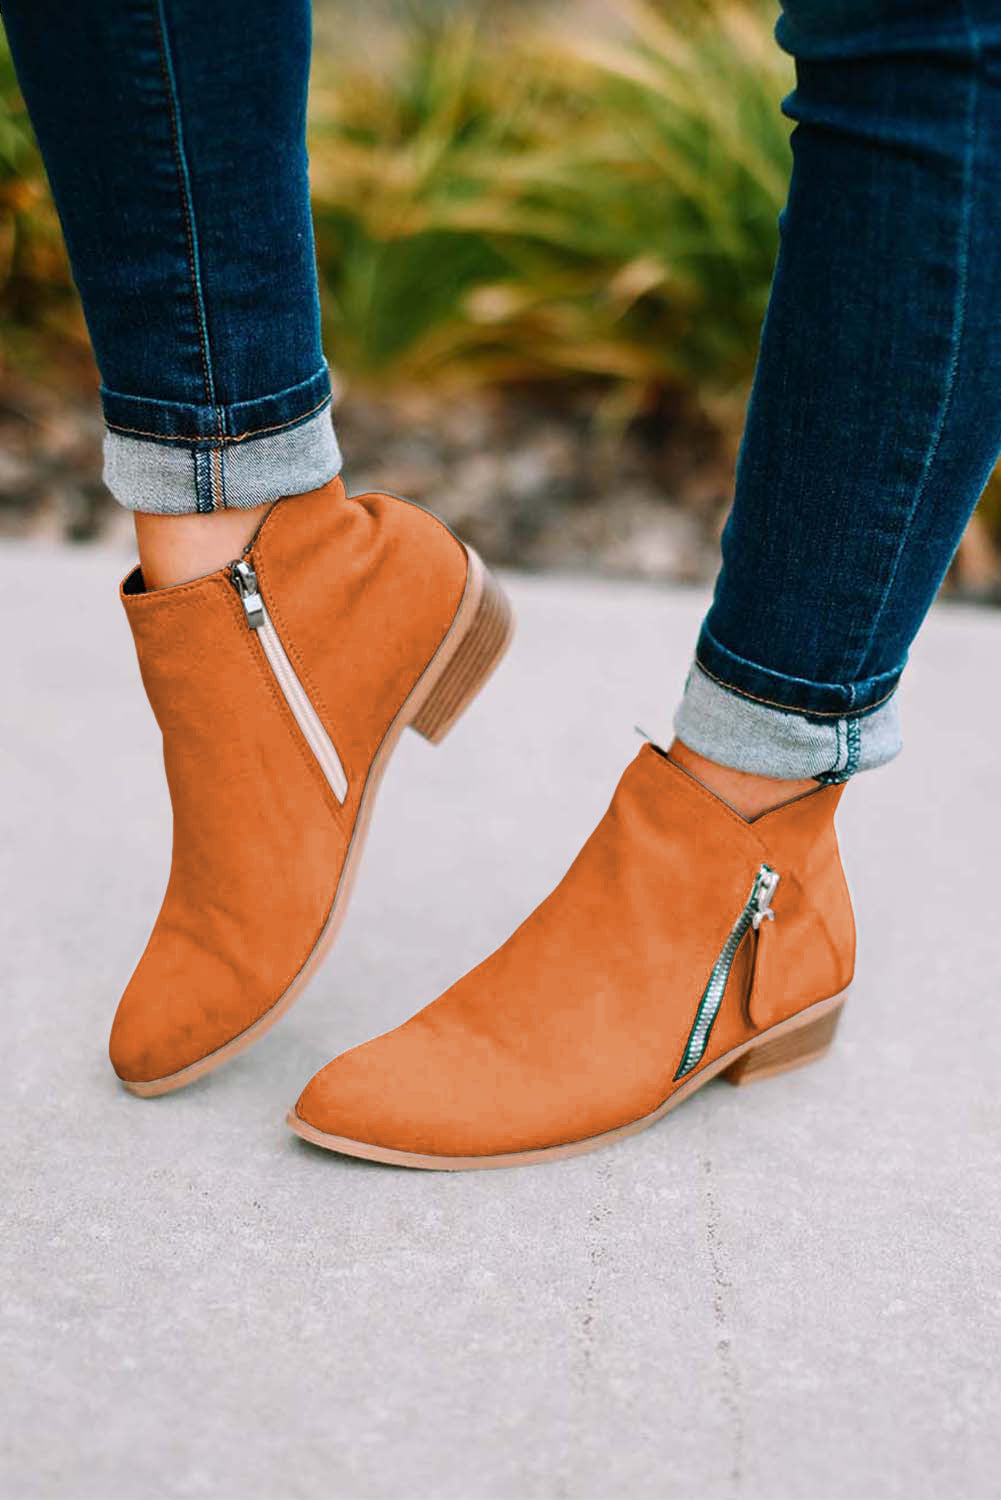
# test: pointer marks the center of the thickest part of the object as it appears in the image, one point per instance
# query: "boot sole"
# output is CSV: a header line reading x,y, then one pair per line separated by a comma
x,y
467,655
800,1039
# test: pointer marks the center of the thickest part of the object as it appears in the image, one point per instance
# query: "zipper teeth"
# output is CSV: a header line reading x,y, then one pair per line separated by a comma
x,y
712,995
302,709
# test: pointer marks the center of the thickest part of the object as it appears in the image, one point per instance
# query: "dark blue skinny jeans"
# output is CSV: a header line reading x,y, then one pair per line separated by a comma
x,y
173,133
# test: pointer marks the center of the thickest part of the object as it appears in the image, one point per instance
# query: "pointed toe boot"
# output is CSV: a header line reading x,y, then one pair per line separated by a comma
x,y
281,685
682,944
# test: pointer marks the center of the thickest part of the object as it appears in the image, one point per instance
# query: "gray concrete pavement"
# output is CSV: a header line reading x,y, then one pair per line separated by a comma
x,y
790,1290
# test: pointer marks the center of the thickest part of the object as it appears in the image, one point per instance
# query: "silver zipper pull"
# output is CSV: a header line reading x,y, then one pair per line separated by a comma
x,y
764,890
245,582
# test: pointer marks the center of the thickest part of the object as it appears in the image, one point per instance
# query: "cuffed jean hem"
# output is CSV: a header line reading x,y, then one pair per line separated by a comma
x,y
796,695
734,730
237,473
179,422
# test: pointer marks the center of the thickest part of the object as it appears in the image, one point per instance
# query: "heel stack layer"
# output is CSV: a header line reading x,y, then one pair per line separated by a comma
x,y
794,1048
475,657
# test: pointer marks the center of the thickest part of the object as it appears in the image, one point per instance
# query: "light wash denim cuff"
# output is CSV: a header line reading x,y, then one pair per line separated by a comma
x,y
736,731
171,479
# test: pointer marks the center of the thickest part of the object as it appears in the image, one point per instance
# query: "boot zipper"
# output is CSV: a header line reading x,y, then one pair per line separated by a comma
x,y
756,910
244,580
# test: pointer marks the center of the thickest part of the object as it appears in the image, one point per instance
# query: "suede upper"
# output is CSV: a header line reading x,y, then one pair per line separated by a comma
x,y
361,592
576,1025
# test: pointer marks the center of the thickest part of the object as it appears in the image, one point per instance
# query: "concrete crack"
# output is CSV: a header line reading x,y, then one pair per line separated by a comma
x,y
597,1257
731,1387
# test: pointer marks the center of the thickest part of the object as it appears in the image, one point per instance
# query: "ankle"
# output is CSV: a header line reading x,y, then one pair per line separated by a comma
x,y
747,794
178,549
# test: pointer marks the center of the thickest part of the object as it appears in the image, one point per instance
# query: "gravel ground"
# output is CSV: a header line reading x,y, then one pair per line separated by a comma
x,y
535,480
530,482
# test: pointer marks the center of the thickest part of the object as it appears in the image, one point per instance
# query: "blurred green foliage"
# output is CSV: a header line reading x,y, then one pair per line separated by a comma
x,y
507,203
38,308
546,208
514,202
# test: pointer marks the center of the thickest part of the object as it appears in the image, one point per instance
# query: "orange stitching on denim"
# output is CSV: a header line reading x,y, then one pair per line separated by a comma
x,y
224,440
178,162
217,486
813,713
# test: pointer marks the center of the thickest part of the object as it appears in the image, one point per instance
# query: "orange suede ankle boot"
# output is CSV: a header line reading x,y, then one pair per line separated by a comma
x,y
281,685
683,943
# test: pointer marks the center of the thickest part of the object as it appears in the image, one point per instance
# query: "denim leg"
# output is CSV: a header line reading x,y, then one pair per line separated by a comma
x,y
173,133
875,416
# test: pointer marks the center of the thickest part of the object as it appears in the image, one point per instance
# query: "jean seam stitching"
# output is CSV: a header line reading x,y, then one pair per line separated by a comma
x,y
224,440
805,713
959,310
836,773
853,745
184,184
216,476
234,406
743,661
198,464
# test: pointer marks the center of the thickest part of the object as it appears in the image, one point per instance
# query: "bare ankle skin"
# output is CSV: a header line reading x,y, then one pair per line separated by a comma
x,y
178,549
747,794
